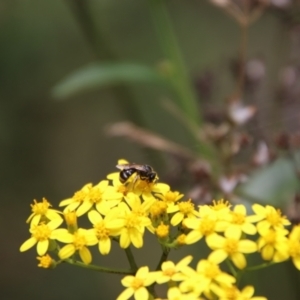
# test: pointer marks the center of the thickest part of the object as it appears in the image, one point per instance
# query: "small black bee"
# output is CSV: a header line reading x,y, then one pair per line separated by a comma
x,y
143,172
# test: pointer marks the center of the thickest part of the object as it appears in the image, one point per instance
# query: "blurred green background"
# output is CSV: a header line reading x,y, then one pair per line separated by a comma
x,y
51,148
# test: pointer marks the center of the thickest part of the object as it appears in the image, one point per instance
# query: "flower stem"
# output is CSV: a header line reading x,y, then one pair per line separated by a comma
x,y
98,268
180,80
163,257
231,268
131,260
261,266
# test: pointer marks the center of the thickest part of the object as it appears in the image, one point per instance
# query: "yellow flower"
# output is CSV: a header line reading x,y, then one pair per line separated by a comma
x,y
136,285
102,196
169,197
105,228
206,274
40,210
77,199
233,293
138,206
270,217
120,188
147,189
135,221
239,221
162,231
78,241
40,235
174,293
220,207
98,195
181,239
182,210
231,247
294,246
273,244
158,209
46,262
170,271
205,226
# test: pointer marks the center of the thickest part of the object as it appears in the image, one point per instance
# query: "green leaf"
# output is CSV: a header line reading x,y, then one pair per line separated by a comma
x,y
274,184
99,75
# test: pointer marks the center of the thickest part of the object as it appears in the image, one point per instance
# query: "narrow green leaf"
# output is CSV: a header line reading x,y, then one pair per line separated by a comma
x,y
99,75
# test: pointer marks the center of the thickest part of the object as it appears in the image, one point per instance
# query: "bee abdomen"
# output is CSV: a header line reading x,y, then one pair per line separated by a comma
x,y
125,174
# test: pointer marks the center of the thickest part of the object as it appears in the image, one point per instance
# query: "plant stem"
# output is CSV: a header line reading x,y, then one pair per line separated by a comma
x,y
261,266
98,268
180,80
80,9
163,257
103,52
131,260
242,58
231,268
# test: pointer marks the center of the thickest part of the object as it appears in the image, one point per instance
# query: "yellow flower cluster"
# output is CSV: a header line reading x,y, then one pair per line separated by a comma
x,y
121,212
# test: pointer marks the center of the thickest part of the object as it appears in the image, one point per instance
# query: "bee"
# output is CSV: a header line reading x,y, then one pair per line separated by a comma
x,y
143,172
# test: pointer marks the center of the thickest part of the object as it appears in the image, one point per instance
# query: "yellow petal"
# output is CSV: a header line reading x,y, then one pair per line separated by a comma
x,y
141,294
239,260
136,238
267,252
177,218
124,239
85,255
62,235
193,237
217,256
248,291
28,244
94,217
241,209
104,246
66,251
296,261
126,294
84,207
42,247
247,246
215,241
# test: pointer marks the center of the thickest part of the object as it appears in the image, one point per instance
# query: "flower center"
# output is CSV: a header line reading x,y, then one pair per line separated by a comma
x,y
80,196
137,283
158,208
186,207
207,226
274,217
41,232
95,195
171,197
40,208
79,241
162,230
211,271
132,220
270,237
238,218
169,272
101,231
231,246
232,293
220,204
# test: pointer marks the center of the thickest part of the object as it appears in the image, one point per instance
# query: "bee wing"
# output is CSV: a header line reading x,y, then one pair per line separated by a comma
x,y
131,166
123,166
